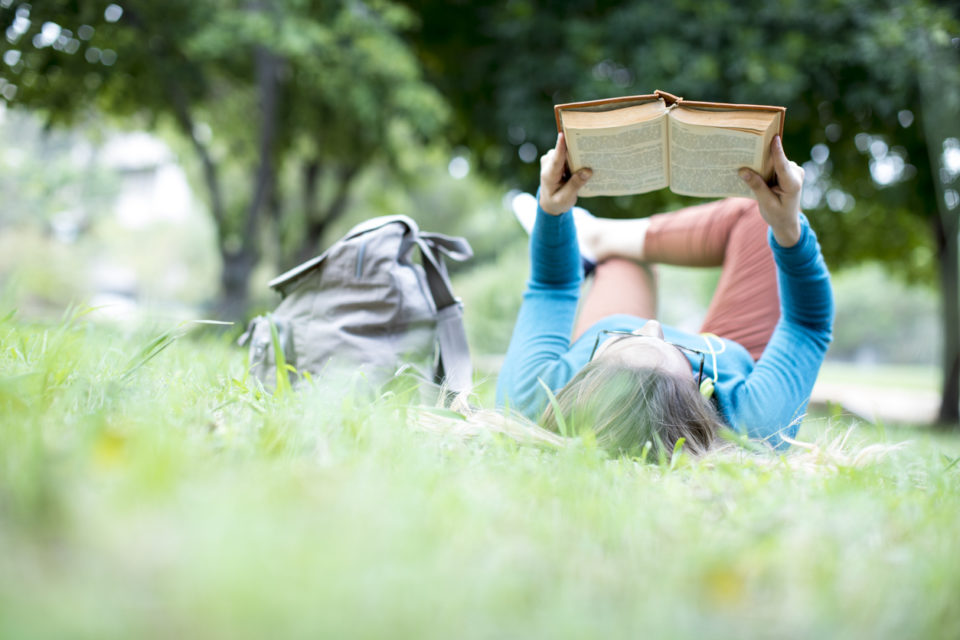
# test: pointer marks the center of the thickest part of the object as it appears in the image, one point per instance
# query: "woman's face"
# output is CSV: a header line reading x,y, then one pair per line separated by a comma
x,y
646,348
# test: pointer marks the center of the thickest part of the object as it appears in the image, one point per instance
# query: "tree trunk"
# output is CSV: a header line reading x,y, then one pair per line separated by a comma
x,y
949,269
239,252
239,263
267,67
235,283
317,219
941,93
210,172
307,247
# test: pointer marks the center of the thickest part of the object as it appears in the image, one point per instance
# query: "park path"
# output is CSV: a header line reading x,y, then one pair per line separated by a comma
x,y
879,403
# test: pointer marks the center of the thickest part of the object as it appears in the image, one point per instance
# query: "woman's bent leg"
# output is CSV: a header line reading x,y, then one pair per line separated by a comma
x,y
732,233
619,286
746,304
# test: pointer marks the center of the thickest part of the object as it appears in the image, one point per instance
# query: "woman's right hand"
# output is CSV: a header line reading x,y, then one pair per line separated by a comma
x,y
556,194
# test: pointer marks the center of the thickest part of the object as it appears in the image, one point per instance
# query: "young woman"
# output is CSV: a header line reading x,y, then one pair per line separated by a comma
x,y
614,369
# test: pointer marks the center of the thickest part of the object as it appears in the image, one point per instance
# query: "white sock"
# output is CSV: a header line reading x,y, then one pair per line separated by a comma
x,y
607,237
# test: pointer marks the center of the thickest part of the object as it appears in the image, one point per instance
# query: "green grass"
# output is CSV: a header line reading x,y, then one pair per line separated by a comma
x,y
147,489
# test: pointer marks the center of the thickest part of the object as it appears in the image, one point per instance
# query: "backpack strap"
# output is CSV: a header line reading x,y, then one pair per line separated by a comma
x,y
457,249
455,366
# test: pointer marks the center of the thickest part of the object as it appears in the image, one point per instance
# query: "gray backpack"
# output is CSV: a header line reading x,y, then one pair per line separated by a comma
x,y
365,305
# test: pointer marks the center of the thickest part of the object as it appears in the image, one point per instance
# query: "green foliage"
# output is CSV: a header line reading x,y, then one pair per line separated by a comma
x,y
841,67
255,90
180,500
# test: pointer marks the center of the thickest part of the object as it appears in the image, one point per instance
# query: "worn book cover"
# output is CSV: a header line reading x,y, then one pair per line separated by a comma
x,y
637,144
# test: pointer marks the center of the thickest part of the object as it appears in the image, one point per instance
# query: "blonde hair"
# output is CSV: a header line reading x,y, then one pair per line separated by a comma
x,y
627,407
829,452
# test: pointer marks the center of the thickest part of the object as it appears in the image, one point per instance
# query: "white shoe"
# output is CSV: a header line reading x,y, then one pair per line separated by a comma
x,y
524,207
585,222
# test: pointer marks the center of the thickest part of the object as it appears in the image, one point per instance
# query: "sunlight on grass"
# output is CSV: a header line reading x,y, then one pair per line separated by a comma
x,y
168,495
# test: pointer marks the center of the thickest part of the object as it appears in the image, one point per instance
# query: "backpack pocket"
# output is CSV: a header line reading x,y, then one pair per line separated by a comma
x,y
262,358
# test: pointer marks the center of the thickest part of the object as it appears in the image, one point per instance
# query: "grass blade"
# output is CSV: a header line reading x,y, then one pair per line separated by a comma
x,y
561,421
280,360
151,350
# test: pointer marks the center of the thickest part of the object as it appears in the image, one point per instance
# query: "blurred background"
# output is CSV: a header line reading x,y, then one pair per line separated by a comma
x,y
164,160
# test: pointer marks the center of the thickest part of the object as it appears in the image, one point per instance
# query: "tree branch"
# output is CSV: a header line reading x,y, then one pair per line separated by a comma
x,y
210,171
317,222
267,67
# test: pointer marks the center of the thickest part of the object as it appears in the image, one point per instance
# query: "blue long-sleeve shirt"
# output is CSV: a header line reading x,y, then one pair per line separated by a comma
x,y
763,399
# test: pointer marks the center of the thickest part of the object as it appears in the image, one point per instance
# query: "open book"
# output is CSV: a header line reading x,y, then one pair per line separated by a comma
x,y
638,144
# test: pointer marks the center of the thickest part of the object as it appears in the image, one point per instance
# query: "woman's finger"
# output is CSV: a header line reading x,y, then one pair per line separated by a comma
x,y
552,163
781,165
572,187
789,174
763,193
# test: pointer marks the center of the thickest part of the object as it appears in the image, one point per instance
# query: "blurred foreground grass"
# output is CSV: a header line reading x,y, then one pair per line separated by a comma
x,y
151,492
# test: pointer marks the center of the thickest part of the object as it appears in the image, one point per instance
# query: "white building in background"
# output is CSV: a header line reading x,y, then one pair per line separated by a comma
x,y
154,187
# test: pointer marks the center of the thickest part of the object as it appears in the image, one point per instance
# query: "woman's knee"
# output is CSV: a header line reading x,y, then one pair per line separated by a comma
x,y
622,269
743,207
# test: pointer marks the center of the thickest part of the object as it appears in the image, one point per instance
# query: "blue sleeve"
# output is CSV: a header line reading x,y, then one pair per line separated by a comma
x,y
541,337
772,400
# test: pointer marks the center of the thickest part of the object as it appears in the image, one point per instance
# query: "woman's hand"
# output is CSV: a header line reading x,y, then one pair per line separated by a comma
x,y
779,204
557,195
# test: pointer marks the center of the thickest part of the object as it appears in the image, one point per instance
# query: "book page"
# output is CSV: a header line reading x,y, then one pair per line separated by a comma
x,y
757,120
704,160
625,160
611,114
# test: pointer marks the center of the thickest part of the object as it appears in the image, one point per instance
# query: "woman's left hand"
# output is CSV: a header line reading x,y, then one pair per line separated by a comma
x,y
779,204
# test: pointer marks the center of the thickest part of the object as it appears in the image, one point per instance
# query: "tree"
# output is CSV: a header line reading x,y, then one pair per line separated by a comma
x,y
852,74
258,89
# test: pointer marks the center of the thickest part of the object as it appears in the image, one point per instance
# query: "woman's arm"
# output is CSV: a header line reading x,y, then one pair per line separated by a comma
x,y
772,400
541,335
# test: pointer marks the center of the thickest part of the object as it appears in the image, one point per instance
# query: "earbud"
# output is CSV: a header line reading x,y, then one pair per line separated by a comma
x,y
706,388
707,384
